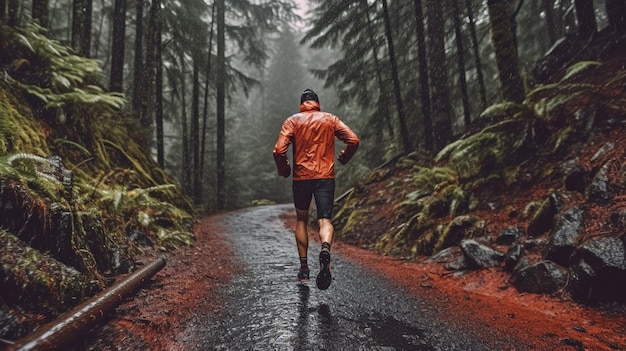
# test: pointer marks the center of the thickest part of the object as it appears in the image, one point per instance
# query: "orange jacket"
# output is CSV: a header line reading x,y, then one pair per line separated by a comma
x,y
312,134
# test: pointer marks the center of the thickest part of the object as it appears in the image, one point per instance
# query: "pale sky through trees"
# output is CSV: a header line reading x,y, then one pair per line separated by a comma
x,y
303,6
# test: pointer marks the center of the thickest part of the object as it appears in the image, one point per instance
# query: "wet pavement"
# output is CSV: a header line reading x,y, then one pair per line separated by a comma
x,y
267,309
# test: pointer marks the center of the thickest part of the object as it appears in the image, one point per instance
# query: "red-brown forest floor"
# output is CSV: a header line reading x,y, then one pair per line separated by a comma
x,y
155,318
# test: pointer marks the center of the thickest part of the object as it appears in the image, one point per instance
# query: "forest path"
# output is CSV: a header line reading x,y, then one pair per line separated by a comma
x,y
235,289
267,309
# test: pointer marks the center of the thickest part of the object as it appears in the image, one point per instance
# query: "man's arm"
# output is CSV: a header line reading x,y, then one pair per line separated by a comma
x,y
280,150
344,133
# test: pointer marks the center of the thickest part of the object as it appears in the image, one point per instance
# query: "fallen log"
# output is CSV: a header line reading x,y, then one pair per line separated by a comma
x,y
58,333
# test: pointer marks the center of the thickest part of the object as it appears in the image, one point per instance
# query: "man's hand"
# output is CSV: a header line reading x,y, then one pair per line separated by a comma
x,y
282,165
286,172
342,157
346,155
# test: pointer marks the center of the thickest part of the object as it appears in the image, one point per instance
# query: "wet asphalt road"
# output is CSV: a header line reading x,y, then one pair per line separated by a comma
x,y
267,309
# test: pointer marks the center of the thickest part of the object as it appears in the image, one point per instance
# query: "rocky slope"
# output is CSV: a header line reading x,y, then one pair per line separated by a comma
x,y
538,190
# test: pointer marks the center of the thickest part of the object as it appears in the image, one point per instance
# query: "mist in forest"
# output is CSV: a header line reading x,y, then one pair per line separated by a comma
x,y
209,83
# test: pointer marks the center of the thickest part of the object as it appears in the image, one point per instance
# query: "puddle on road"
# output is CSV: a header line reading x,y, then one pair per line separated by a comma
x,y
389,332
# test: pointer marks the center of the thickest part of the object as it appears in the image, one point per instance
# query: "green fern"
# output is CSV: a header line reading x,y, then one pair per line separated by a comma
x,y
504,109
546,99
66,75
59,141
579,68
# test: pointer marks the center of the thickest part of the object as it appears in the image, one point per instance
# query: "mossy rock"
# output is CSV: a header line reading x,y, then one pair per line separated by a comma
x,y
461,227
38,282
353,225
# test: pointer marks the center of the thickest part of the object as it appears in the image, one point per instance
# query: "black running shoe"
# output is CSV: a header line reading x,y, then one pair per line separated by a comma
x,y
303,275
324,278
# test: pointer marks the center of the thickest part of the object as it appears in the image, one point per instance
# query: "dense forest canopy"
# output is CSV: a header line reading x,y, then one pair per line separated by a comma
x,y
208,83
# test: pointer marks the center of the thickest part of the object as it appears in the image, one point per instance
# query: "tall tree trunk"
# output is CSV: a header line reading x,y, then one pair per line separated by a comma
x,y
427,121
406,142
3,10
85,47
158,84
440,95
383,97
140,74
195,128
616,11
221,102
476,49
467,118
40,12
586,17
78,24
186,170
101,28
506,54
150,68
12,12
117,52
548,9
205,114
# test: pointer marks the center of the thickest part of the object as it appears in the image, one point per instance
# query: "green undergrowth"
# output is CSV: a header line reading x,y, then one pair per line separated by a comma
x,y
414,207
75,186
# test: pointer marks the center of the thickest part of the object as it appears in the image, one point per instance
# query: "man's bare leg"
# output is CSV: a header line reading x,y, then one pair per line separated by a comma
x,y
302,242
326,230
302,233
324,277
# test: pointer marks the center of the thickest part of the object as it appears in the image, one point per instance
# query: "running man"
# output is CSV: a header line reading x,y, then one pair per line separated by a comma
x,y
312,133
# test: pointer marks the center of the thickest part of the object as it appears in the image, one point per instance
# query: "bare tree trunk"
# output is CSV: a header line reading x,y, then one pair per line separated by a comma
x,y
117,55
40,12
427,121
476,49
138,98
78,23
150,68
440,95
382,117
12,12
221,102
141,76
467,118
506,54
383,98
550,23
158,84
195,128
85,48
184,130
148,73
81,26
99,34
205,115
586,17
616,11
3,10
406,142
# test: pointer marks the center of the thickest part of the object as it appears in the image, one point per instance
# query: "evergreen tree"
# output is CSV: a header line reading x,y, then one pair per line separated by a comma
x,y
117,52
40,12
438,75
506,54
616,12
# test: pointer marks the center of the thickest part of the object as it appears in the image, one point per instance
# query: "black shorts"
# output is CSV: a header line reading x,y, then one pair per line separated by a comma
x,y
323,190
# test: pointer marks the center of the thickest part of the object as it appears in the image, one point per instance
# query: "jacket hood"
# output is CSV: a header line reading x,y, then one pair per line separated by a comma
x,y
310,105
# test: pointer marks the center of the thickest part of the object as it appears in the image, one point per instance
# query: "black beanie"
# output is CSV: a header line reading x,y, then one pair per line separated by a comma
x,y
309,94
